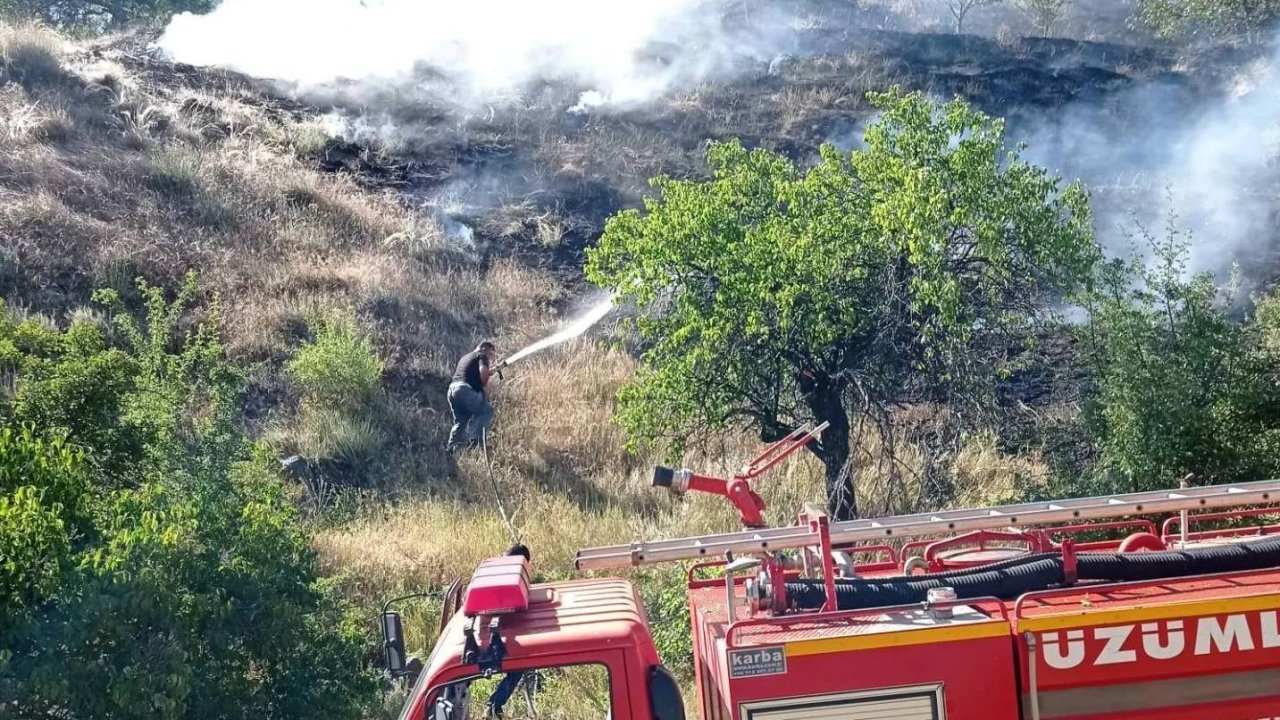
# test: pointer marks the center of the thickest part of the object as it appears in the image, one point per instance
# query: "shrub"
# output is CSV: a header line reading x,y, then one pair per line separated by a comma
x,y
81,394
1213,18
339,368
1181,387
192,593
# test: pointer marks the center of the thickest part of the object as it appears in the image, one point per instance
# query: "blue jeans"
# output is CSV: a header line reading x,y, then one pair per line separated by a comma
x,y
503,692
472,414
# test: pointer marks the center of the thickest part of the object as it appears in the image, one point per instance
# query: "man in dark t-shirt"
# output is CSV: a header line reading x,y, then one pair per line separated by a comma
x,y
467,397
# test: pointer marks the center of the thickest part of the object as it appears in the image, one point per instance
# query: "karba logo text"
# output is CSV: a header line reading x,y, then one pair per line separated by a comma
x,y
1162,640
759,657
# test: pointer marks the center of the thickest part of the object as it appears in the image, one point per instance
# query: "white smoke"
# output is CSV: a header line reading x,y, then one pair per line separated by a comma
x,y
1161,145
1162,150
487,48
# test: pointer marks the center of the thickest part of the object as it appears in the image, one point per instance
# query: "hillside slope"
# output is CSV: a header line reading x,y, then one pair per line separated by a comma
x,y
115,164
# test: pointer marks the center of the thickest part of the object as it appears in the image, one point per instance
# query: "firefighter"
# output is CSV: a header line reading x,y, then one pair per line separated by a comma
x,y
468,399
503,692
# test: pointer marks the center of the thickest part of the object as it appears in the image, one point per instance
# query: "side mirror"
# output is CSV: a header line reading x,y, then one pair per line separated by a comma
x,y
393,642
443,710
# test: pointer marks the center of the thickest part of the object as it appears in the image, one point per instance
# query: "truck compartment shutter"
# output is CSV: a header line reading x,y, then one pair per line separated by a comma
x,y
900,704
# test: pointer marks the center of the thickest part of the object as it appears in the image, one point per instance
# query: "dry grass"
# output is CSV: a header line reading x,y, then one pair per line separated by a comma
x,y
30,54
106,175
569,483
104,178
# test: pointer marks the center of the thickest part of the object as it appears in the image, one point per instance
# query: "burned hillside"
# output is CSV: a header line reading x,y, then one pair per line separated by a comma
x,y
536,177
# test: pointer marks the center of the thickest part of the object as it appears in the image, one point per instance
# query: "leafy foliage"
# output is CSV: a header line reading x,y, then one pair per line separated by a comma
x,y
1267,320
100,14
339,367
902,273
339,377
165,577
1181,387
43,516
1215,18
76,387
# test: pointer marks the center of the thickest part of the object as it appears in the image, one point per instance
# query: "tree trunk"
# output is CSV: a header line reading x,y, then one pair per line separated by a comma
x,y
827,406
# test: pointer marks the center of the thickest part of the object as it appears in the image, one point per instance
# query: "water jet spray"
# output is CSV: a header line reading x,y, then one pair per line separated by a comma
x,y
575,328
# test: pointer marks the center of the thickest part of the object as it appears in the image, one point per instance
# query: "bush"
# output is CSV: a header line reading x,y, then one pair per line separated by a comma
x,y
193,591
340,427
1213,18
100,15
1180,387
80,393
339,368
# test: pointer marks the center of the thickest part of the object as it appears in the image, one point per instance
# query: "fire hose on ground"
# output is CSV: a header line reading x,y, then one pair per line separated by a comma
x,y
572,330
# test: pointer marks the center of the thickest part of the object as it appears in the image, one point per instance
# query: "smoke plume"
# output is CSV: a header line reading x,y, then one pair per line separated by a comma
x,y
1164,149
482,50
419,68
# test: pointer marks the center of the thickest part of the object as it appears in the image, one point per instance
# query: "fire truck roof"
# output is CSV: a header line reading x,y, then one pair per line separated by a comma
x,y
559,620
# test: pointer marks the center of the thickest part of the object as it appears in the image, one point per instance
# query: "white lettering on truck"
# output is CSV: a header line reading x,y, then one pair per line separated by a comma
x,y
1164,640
1224,637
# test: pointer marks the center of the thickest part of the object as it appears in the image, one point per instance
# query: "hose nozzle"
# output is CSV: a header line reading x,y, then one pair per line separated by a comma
x,y
676,481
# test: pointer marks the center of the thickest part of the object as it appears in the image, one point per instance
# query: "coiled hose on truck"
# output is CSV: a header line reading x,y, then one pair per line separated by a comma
x,y
1010,578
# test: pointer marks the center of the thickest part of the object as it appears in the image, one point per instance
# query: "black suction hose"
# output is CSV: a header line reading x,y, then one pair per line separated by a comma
x,y
1126,567
1009,579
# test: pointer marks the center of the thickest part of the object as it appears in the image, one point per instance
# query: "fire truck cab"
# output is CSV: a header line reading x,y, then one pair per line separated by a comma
x,y
507,627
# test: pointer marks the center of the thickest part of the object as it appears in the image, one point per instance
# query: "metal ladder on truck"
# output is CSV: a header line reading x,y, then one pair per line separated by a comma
x,y
1032,514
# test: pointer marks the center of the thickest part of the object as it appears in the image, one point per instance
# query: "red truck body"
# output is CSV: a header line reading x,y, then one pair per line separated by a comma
x,y
1205,646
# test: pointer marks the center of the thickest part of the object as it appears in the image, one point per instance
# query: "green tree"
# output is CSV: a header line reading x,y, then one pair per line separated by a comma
x,y
907,272
1214,18
1180,386
100,14
189,591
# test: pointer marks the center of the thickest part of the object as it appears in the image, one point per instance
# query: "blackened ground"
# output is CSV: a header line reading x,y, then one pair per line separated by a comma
x,y
534,181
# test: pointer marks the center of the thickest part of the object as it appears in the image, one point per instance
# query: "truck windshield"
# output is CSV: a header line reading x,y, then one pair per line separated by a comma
x,y
575,692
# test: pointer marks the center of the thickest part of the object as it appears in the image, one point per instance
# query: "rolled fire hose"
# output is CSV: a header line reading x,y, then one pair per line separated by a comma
x,y
1009,579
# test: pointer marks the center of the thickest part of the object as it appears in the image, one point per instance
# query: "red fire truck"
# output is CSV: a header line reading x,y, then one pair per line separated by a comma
x,y
1069,610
